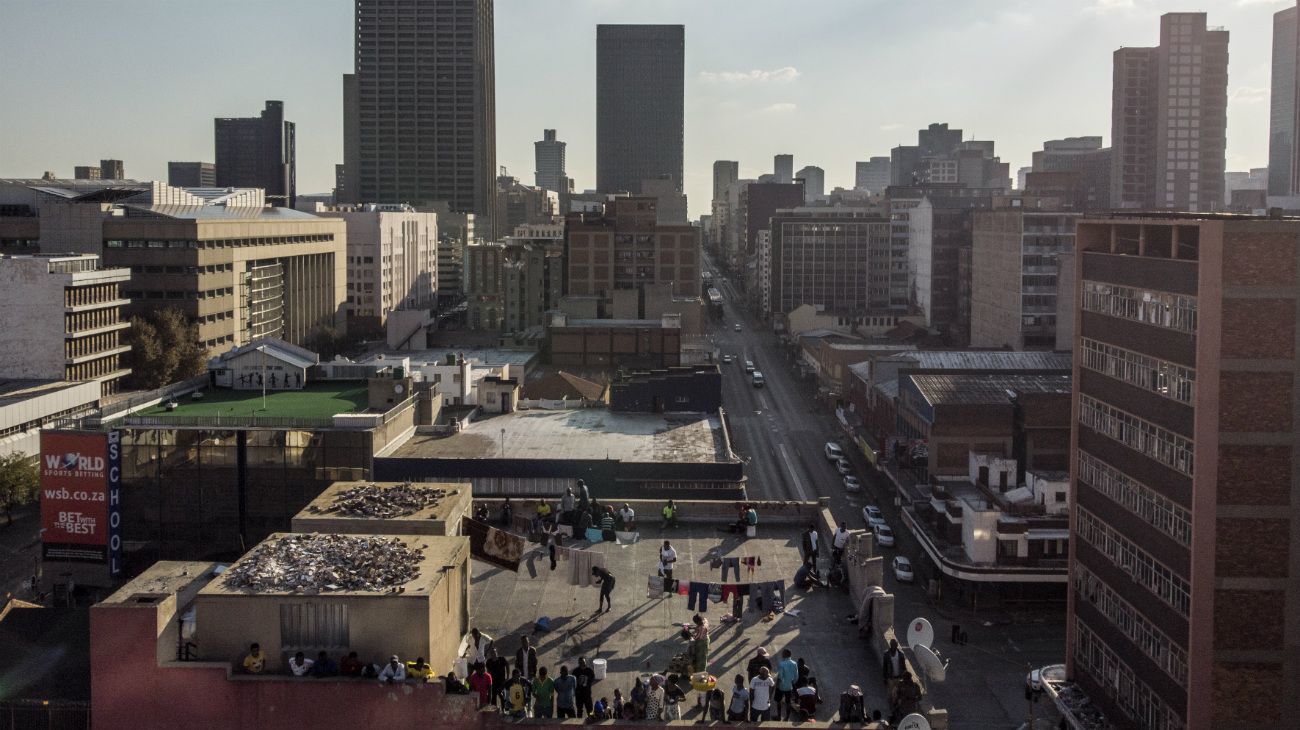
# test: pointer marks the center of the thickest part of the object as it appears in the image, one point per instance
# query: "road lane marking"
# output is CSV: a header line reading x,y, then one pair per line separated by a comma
x,y
794,478
763,402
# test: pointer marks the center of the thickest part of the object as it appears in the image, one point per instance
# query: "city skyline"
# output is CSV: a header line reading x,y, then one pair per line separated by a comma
x,y
744,100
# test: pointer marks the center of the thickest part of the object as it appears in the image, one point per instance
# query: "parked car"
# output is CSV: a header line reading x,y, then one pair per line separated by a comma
x,y
843,467
726,359
851,484
833,451
903,569
757,379
749,366
736,327
884,535
871,513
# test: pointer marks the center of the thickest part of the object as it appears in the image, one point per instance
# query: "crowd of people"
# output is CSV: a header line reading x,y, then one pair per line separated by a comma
x,y
300,665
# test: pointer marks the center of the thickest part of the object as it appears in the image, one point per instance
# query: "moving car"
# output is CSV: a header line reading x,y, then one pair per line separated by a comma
x,y
851,484
884,535
843,466
726,359
903,569
736,327
871,513
749,366
833,451
757,379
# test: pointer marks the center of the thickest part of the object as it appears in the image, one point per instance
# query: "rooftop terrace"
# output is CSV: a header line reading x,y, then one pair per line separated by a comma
x,y
586,433
322,401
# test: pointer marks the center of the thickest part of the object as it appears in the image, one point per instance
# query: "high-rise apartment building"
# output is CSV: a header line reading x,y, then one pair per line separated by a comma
x,y
825,257
872,175
392,261
1169,115
112,170
258,152
1283,117
424,105
1080,172
519,205
1184,596
783,168
1015,255
941,157
65,319
725,172
549,156
931,227
814,183
640,77
626,248
192,174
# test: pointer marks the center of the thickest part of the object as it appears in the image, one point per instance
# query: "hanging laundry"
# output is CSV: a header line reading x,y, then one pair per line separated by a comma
x,y
594,535
732,563
498,547
580,564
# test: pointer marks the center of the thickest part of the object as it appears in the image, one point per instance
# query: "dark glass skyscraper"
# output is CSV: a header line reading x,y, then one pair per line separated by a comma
x,y
640,72
425,98
258,152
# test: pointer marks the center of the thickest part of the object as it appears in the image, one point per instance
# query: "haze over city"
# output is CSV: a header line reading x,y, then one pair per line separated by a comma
x,y
828,81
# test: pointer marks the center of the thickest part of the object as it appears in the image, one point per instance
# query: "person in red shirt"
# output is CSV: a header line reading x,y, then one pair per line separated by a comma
x,y
481,682
350,666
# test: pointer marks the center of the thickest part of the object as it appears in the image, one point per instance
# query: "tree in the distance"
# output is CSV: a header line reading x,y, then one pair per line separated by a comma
x,y
20,477
164,349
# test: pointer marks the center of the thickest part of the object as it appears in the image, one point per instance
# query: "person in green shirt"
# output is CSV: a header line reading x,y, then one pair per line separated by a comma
x,y
670,515
543,695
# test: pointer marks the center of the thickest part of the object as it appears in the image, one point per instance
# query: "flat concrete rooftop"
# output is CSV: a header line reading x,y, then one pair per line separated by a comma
x,y
581,433
641,634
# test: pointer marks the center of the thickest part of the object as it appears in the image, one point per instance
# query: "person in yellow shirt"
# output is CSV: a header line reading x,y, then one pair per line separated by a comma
x,y
419,670
255,661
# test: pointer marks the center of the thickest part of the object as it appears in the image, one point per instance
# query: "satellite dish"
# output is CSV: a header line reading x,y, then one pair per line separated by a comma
x,y
914,721
920,633
934,670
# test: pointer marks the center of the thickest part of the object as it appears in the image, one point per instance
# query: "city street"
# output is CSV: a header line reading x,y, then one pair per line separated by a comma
x,y
780,430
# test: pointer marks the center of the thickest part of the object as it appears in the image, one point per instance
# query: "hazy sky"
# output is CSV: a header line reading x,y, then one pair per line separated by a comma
x,y
831,81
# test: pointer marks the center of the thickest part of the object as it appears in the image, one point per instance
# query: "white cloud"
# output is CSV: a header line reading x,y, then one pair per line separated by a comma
x,y
757,76
1249,94
781,107
890,127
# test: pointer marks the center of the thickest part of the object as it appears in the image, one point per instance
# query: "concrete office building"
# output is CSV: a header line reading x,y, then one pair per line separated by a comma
x,y
456,231
425,81
258,152
112,170
825,257
1081,173
521,205
1183,546
548,154
191,174
640,76
872,175
1283,117
814,183
670,202
86,172
64,319
725,172
936,221
392,261
783,168
1014,269
1169,118
29,405
625,248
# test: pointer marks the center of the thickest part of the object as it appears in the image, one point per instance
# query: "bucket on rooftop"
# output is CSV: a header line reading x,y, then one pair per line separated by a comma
x,y
599,667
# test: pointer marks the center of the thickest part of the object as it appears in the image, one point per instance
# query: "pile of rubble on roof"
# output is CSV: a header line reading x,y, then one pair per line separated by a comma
x,y
372,500
311,563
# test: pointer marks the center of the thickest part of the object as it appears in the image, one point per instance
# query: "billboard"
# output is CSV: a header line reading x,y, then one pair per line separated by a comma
x,y
81,477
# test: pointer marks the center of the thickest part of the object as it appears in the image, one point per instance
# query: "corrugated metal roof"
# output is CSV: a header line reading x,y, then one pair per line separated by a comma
x,y
985,360
218,212
862,370
976,389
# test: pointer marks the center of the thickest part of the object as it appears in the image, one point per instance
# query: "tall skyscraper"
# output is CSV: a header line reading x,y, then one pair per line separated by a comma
x,y
872,175
112,170
1283,171
1183,548
814,183
1169,117
640,77
725,172
258,152
549,154
191,174
783,168
425,105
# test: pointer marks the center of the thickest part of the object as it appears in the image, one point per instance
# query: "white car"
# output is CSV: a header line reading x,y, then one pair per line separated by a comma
x,y
843,467
851,484
749,366
871,513
726,359
833,451
903,569
884,535
735,327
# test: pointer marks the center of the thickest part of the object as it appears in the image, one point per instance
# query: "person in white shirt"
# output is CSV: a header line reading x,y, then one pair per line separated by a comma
x,y
839,543
300,665
628,516
760,690
667,557
393,671
478,644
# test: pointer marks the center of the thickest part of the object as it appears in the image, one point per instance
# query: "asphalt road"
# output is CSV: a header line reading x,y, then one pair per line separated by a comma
x,y
781,432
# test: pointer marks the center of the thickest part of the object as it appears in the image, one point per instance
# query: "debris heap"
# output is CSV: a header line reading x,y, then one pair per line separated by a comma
x,y
372,500
312,563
